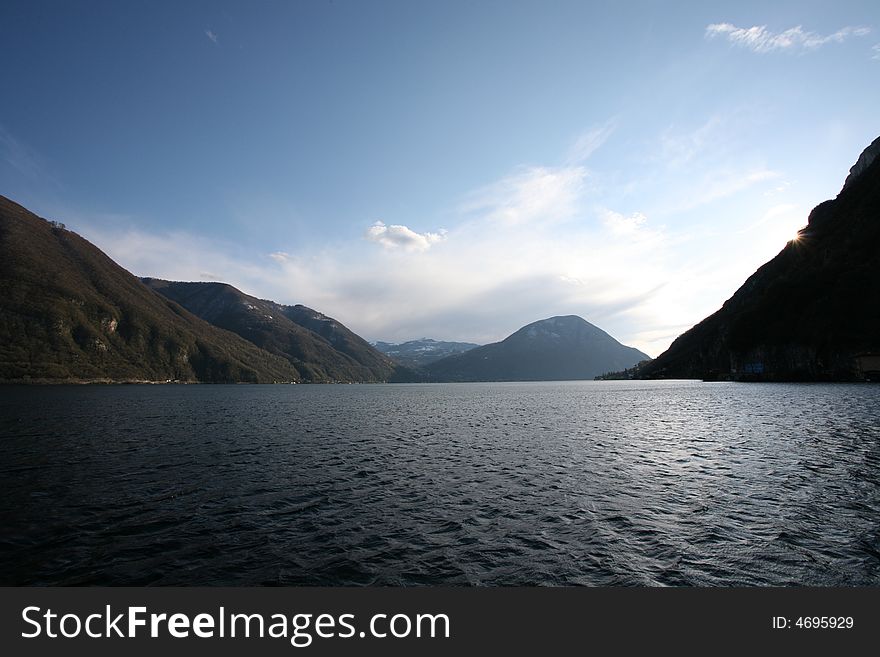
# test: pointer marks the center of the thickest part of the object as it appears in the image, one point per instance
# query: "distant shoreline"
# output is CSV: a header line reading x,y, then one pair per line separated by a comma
x,y
139,382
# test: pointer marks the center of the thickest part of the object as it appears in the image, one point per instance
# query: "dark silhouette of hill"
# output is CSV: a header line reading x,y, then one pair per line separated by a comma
x,y
320,348
69,313
811,313
554,349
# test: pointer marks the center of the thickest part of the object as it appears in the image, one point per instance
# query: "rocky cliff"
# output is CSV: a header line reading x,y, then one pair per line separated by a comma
x,y
810,314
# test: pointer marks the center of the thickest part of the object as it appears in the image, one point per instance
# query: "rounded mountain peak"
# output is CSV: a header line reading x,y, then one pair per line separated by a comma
x,y
556,328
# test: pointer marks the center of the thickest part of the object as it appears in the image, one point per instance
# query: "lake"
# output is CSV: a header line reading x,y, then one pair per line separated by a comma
x,y
640,483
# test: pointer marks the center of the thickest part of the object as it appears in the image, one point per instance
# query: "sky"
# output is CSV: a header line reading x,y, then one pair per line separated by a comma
x,y
452,170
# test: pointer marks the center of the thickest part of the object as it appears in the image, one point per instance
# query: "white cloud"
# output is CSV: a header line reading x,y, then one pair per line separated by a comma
x,y
703,164
591,141
716,185
535,243
173,255
535,194
679,148
761,40
623,225
876,50
779,224
213,37
775,212
401,237
485,283
781,188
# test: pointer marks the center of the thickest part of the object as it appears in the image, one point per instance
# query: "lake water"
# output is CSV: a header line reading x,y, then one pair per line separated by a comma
x,y
576,483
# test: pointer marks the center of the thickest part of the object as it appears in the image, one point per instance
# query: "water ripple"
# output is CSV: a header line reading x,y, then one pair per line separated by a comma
x,y
582,483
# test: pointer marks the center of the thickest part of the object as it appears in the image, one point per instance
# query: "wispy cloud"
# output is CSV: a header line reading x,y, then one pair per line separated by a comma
x,y
705,163
876,50
532,195
761,40
623,225
678,148
781,188
24,160
212,36
17,155
174,255
590,141
780,223
487,280
401,237
540,241
720,184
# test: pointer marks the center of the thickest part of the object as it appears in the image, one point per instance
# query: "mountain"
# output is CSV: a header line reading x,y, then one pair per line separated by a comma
x,y
418,353
69,313
318,346
349,343
811,313
554,349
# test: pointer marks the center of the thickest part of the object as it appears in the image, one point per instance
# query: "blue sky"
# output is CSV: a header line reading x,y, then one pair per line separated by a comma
x,y
444,169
